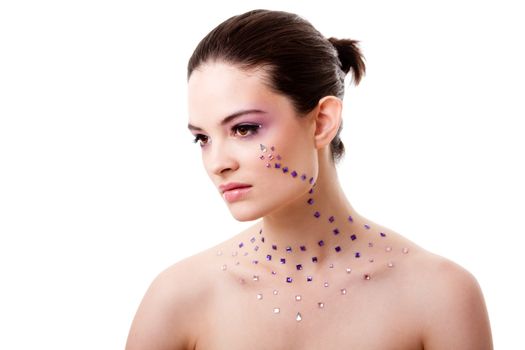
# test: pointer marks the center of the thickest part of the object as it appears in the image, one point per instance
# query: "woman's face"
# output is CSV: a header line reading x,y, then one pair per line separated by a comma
x,y
231,114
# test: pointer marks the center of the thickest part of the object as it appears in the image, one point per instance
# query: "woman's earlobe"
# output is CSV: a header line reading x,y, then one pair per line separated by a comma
x,y
327,120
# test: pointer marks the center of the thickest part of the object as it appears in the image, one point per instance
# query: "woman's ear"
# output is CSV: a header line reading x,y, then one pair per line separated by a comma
x,y
327,120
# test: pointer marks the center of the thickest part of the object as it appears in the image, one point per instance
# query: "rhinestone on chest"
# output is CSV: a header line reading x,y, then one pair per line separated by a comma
x,y
278,255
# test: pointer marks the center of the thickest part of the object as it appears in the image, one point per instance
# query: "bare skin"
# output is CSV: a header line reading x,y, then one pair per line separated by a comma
x,y
412,299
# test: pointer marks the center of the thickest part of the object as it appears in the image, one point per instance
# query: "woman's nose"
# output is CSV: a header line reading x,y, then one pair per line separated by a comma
x,y
222,161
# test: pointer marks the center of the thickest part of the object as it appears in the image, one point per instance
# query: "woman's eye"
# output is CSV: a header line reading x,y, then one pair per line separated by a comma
x,y
201,139
245,129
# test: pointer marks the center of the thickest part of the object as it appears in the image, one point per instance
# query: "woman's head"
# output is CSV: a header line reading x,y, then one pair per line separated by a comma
x,y
297,60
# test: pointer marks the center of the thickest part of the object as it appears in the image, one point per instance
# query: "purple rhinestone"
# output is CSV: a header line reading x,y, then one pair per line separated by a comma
x,y
278,157
261,157
314,259
321,243
311,191
309,278
382,234
288,249
294,173
357,255
274,273
274,247
256,248
252,239
336,231
299,267
338,249
283,261
277,165
310,201
367,226
353,237
262,239
285,169
350,219
317,214
268,257
241,245
289,279
303,248
255,262
311,181
331,219
303,177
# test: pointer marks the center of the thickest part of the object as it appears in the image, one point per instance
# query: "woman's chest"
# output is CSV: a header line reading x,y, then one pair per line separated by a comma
x,y
332,317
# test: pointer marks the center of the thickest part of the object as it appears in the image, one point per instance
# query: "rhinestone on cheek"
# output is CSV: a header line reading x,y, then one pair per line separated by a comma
x,y
331,219
288,249
263,147
367,276
331,266
320,305
388,249
294,173
298,317
390,264
317,214
326,284
309,278
298,298
343,291
367,226
275,292
382,234
299,267
283,261
314,259
405,250
321,243
255,277
371,260
289,280
224,267
338,249
353,237
303,248
259,296
276,310
348,270
357,255
268,257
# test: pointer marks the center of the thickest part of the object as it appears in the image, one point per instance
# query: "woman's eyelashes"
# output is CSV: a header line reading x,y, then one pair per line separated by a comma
x,y
244,130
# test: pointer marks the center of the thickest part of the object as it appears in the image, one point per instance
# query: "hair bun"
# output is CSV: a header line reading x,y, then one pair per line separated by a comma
x,y
350,57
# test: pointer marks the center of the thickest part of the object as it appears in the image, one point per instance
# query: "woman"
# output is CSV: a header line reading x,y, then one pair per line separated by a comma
x,y
265,101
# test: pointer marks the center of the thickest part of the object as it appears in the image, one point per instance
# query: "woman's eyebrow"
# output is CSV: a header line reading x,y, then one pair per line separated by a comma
x,y
231,117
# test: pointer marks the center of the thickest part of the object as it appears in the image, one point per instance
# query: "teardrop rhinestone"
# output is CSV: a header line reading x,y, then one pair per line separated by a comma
x,y
298,317
343,291
263,147
321,305
259,296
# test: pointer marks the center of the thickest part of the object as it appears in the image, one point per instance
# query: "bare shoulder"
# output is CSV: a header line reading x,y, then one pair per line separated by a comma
x,y
448,302
169,314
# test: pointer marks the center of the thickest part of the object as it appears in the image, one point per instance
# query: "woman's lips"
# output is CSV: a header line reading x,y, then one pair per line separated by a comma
x,y
236,194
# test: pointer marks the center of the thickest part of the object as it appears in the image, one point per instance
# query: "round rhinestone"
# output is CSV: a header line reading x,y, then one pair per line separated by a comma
x,y
371,260
388,249
259,296
343,291
326,284
275,292
405,250
298,298
224,267
366,276
390,264
348,270
321,305
276,310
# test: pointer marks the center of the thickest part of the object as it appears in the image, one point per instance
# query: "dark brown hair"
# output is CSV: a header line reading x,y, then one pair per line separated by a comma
x,y
300,62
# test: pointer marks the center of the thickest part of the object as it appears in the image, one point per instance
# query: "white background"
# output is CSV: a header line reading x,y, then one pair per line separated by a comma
x,y
101,187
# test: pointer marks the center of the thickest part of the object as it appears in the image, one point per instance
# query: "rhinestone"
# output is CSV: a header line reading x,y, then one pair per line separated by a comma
x,y
241,245
224,267
331,219
288,249
353,237
260,231
285,169
326,284
311,181
256,248
275,292
311,191
289,279
382,234
303,248
268,165
388,249
268,257
317,214
270,157
343,291
335,231
294,173
338,249
310,201
263,147
348,270
299,267
366,276
321,243
274,273
259,296
272,148
278,157
371,260
321,305
357,255
370,244
405,250
255,261
277,165
276,310
331,266
303,177
309,278
261,157
283,261
350,218
298,317
298,298
255,277
262,239
274,247
390,264
314,259
367,226
219,252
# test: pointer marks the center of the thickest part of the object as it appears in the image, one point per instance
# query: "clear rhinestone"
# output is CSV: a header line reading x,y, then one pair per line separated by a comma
x,y
388,249
348,270
321,305
298,298
263,147
275,292
298,317
259,296
268,165
331,266
276,310
390,264
255,277
326,284
224,267
405,250
343,291
366,276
